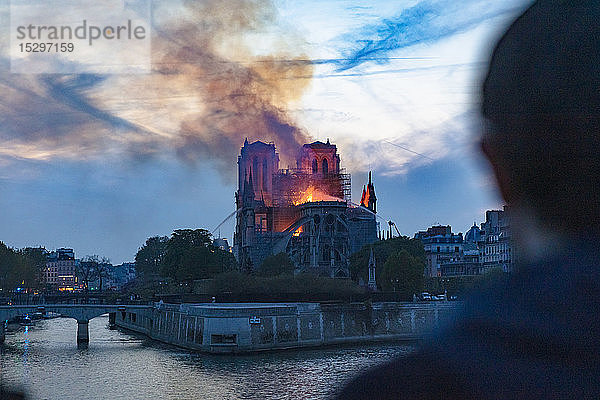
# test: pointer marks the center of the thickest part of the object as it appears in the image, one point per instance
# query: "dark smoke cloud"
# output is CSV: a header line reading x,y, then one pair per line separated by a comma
x,y
207,92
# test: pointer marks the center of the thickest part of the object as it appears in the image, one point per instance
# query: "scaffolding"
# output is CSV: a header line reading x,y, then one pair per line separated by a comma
x,y
292,187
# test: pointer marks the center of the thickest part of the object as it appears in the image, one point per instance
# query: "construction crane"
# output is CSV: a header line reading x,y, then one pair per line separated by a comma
x,y
392,223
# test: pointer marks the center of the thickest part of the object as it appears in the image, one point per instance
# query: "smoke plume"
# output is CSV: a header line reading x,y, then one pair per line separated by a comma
x,y
209,89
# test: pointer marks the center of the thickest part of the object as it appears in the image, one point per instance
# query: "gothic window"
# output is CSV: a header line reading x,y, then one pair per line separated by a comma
x,y
337,255
326,254
325,167
315,166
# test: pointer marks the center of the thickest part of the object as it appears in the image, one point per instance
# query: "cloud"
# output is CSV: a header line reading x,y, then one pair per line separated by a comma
x,y
410,78
212,84
425,22
397,154
206,93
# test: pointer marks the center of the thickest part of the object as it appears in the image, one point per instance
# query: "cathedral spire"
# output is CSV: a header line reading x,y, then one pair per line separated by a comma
x,y
372,282
369,199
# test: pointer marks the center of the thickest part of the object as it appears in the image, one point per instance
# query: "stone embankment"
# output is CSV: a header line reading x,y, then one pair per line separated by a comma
x,y
238,328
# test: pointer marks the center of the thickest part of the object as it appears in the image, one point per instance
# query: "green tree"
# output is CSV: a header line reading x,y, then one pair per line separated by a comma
x,y
401,273
34,266
22,268
301,287
191,255
9,267
359,261
149,257
275,265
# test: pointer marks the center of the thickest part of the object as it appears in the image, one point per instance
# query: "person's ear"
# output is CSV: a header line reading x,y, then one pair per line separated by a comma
x,y
502,177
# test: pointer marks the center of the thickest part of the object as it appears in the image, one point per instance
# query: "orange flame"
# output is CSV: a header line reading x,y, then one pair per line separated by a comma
x,y
313,194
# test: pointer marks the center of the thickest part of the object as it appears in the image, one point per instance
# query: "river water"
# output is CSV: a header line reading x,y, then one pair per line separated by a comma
x,y
45,362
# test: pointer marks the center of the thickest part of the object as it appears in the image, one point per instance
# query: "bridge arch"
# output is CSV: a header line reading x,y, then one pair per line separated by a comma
x,y
82,313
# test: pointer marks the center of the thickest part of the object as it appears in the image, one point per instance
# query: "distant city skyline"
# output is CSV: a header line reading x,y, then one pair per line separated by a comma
x,y
100,163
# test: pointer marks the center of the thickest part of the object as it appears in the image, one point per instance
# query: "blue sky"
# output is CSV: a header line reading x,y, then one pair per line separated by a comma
x,y
100,163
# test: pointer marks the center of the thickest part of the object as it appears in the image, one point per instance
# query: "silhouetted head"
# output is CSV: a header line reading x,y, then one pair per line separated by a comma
x,y
541,102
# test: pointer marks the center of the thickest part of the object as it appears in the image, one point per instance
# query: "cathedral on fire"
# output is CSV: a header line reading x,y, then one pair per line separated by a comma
x,y
305,211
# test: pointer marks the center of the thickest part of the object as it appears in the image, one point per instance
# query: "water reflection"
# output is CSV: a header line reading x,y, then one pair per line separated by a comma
x,y
46,362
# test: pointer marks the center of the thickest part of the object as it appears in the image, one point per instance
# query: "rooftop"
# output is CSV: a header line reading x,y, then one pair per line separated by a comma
x,y
320,145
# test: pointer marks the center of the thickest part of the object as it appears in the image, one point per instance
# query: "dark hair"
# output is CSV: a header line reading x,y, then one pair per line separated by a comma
x,y
541,97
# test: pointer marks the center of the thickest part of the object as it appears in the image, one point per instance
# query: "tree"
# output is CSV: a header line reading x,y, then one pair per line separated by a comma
x,y
359,261
103,271
91,269
86,270
21,268
149,257
34,265
278,264
401,273
191,255
239,286
8,267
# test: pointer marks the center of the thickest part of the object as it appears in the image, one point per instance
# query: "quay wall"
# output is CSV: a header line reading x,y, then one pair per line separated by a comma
x,y
238,328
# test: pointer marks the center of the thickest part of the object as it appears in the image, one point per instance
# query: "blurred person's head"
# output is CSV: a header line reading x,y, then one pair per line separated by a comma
x,y
541,103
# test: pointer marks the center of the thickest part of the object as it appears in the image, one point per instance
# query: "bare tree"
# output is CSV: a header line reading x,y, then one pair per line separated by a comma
x,y
86,271
92,268
102,270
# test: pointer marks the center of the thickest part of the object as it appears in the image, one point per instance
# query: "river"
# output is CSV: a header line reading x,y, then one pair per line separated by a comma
x,y
45,362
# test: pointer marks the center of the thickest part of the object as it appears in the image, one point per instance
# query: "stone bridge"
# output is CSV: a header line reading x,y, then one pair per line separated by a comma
x,y
83,313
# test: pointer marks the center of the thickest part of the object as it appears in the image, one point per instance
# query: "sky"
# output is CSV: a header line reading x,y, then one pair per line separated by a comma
x,y
100,162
